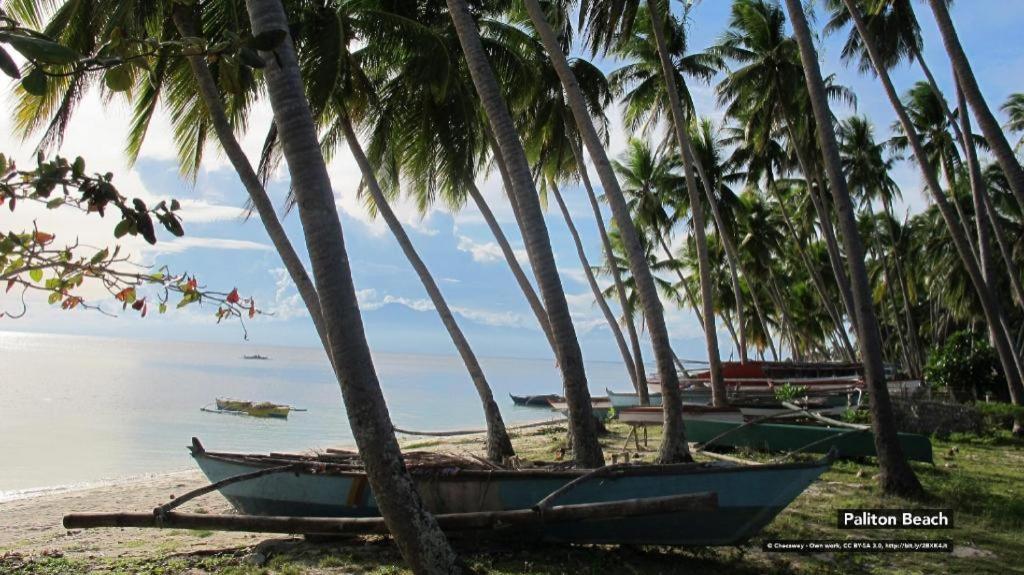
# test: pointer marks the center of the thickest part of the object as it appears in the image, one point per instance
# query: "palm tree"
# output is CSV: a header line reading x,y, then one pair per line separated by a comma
x,y
972,92
552,142
643,89
867,173
896,474
674,446
1014,108
184,20
431,87
761,93
1009,359
639,82
417,533
586,449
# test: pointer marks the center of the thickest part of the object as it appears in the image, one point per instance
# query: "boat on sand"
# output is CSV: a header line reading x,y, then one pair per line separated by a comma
x,y
334,485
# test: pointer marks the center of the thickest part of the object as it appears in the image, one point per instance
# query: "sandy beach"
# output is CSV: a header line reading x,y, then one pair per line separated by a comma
x,y
33,525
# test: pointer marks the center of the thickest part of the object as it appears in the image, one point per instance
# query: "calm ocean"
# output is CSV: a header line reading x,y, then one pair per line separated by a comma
x,y
77,410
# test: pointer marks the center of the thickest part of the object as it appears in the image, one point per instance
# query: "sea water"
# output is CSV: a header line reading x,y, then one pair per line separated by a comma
x,y
79,410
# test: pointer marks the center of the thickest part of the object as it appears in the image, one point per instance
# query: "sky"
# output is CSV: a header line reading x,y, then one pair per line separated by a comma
x,y
225,251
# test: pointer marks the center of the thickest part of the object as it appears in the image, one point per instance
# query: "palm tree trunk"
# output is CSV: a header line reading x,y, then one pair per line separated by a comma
x,y
673,447
897,477
816,279
990,128
586,449
911,326
185,21
640,378
613,325
513,263
834,257
420,539
690,161
499,446
682,280
993,313
762,317
985,212
962,130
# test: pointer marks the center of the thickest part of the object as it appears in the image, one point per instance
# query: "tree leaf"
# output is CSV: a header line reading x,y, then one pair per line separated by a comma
x,y
36,275
122,228
35,82
8,66
40,49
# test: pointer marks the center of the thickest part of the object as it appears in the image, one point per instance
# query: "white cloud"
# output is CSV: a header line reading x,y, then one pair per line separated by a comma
x,y
179,245
488,252
370,299
287,302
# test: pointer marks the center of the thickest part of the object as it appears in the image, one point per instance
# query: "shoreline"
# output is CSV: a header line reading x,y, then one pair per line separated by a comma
x,y
31,524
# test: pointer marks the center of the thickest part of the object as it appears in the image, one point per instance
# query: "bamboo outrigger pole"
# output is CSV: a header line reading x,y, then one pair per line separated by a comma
x,y
482,520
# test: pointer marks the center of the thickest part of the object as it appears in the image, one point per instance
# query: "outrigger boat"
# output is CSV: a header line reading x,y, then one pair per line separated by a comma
x,y
600,406
786,437
334,485
655,415
255,409
535,400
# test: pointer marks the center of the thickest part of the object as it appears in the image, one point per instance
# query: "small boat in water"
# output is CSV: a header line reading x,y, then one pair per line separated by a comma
x,y
255,356
535,400
255,409
330,485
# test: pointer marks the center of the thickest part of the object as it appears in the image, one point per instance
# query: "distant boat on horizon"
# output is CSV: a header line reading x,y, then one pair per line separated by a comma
x,y
255,356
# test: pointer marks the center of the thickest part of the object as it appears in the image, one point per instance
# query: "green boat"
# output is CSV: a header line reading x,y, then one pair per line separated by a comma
x,y
786,437
329,485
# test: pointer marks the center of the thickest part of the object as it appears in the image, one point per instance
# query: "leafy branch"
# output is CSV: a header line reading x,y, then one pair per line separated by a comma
x,y
33,262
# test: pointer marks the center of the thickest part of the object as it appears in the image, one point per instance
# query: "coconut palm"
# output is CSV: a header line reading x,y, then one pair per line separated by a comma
x,y
987,122
761,90
674,446
896,474
993,312
419,537
867,170
1014,108
553,145
586,449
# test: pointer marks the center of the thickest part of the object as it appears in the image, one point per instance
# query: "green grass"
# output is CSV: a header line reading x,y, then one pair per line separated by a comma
x,y
980,478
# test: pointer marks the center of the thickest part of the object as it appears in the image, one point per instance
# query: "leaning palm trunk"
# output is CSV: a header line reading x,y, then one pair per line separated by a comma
x,y
897,477
640,377
416,532
510,258
985,212
184,20
994,316
673,447
986,120
499,446
834,257
586,449
901,277
690,162
613,325
816,279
